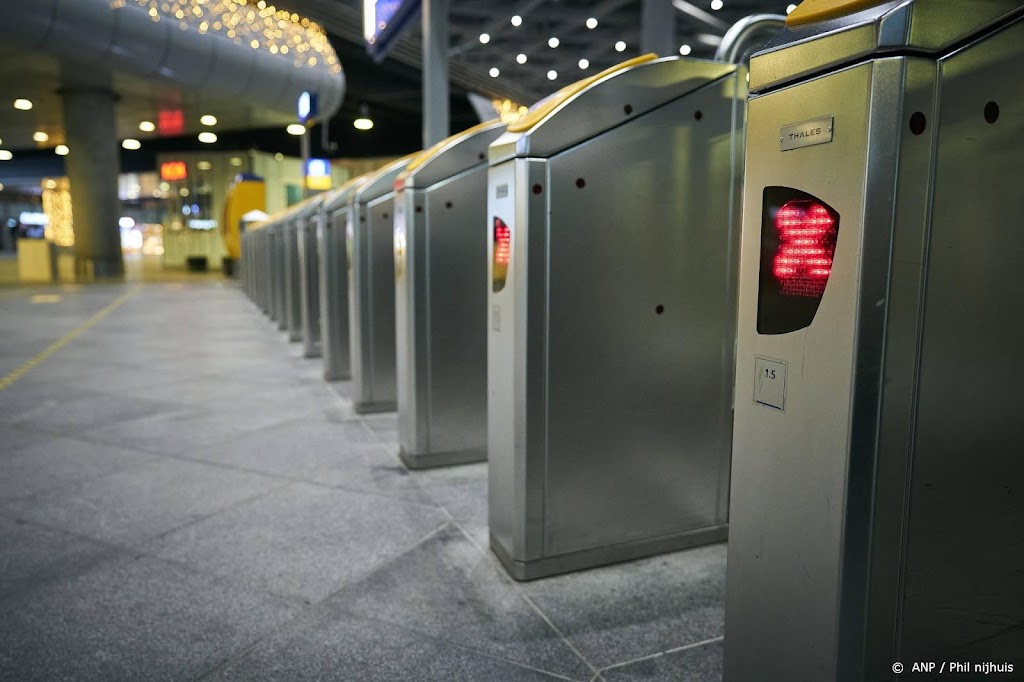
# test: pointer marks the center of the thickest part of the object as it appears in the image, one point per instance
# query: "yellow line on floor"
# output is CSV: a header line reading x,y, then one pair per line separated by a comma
x,y
19,372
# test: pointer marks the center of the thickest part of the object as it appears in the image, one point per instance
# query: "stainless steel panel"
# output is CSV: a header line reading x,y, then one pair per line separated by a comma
x,y
280,310
309,289
334,308
372,305
292,280
899,25
963,586
638,400
441,305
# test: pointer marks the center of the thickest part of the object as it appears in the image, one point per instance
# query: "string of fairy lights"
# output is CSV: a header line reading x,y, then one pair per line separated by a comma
x,y
247,22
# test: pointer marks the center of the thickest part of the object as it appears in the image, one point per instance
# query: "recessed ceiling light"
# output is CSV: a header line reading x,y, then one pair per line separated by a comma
x,y
790,9
40,136
620,46
204,165
685,50
362,124
5,155
296,129
485,38
147,126
207,137
61,150
591,22
553,42
279,156
22,104
517,20
50,184
552,75
494,72
1,187
208,120
584,64
236,161
131,144
716,4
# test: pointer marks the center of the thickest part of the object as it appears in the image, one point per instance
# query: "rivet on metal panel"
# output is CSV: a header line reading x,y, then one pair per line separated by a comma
x,y
419,209
581,183
918,123
698,115
991,112
628,109
537,189
385,216
447,204
659,309
481,156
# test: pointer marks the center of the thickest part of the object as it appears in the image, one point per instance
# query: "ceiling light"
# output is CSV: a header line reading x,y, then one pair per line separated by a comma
x,y
552,75
1,187
584,64
685,50
131,144
494,72
5,155
620,46
40,136
521,58
61,150
208,120
279,156
485,38
517,20
790,9
716,4
591,22
207,137
553,42
296,129
22,104
364,122
236,161
147,126
50,184
204,165
184,191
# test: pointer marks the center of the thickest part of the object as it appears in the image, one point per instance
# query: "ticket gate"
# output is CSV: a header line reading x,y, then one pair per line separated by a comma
x,y
277,255
371,290
309,278
613,211
440,303
333,280
877,522
292,279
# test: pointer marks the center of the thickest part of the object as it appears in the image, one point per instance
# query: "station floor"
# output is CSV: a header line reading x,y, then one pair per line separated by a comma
x,y
183,498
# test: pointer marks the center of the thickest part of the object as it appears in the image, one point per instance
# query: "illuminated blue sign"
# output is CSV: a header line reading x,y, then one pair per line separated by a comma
x,y
309,107
383,23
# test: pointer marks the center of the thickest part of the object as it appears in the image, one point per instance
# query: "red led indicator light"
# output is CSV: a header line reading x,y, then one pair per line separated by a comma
x,y
807,244
502,254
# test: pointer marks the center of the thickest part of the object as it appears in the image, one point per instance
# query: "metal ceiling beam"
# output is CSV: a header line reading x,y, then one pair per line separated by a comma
x,y
700,15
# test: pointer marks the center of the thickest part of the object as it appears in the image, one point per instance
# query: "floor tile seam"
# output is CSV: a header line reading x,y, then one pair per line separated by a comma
x,y
532,604
293,479
666,652
451,642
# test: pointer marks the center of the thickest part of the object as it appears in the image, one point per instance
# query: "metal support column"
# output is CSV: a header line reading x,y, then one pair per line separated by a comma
x,y
657,28
435,71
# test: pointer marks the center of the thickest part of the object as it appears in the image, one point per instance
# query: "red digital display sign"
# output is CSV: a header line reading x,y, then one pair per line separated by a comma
x,y
171,122
173,171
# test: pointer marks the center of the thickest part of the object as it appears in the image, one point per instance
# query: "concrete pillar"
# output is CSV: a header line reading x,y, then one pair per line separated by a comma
x,y
92,167
657,28
435,71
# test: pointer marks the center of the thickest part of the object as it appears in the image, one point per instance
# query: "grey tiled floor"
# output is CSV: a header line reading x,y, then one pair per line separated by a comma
x,y
183,498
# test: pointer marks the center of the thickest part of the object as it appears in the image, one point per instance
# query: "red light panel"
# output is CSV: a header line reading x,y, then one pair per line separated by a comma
x,y
807,244
171,122
173,171
502,254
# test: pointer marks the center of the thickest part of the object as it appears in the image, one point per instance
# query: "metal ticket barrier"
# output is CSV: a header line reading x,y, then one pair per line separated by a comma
x,y
613,225
877,524
440,303
371,290
277,256
309,278
333,280
292,278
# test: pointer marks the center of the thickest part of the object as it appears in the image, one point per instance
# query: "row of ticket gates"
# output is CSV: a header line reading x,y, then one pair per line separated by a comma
x,y
683,301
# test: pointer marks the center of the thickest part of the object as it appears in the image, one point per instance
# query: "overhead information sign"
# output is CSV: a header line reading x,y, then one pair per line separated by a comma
x,y
383,23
